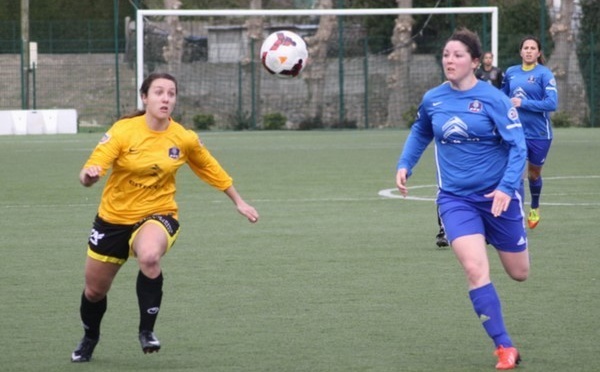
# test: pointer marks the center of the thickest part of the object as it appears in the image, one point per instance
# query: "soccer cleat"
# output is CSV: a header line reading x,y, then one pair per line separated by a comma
x,y
440,239
508,357
533,219
149,342
83,352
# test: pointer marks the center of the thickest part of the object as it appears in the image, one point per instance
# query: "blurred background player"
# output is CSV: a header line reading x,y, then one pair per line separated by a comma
x,y
532,90
488,72
440,239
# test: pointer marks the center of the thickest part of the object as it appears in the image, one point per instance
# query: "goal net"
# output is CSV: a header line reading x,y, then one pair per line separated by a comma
x,y
362,71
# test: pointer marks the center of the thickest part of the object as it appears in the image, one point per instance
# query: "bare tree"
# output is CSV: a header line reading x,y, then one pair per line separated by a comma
x,y
173,51
254,29
398,81
314,75
564,62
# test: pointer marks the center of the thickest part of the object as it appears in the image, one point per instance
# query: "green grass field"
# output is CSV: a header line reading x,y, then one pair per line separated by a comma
x,y
333,278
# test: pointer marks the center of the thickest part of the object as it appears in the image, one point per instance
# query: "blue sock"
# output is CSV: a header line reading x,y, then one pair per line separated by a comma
x,y
535,187
489,310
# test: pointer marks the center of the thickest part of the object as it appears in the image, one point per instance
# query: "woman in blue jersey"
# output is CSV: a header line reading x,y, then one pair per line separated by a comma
x,y
480,153
532,90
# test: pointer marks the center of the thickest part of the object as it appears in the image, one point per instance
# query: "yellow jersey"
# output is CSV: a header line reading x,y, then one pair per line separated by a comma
x,y
144,165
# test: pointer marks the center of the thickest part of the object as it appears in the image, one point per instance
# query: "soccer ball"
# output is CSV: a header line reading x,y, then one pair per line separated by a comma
x,y
284,54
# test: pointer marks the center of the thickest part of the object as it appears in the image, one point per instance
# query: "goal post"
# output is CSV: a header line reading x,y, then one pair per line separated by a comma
x,y
143,14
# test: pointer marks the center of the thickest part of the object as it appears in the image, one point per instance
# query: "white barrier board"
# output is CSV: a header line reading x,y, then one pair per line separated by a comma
x,y
20,122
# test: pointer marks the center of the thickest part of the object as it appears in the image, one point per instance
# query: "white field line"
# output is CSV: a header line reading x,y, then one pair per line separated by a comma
x,y
394,193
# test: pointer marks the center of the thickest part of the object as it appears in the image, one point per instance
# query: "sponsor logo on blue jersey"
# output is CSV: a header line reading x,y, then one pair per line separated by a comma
x,y
455,130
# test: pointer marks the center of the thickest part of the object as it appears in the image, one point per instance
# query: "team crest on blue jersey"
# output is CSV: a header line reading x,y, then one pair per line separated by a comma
x,y
531,79
519,93
174,153
552,82
513,114
475,106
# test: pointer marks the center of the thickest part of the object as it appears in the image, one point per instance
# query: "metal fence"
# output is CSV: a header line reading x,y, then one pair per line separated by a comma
x,y
101,84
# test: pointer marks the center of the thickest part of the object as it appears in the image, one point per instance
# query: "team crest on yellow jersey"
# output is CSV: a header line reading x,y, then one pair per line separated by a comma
x,y
174,153
105,138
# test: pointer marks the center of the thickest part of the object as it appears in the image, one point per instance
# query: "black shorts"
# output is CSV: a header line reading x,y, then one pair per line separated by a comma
x,y
110,242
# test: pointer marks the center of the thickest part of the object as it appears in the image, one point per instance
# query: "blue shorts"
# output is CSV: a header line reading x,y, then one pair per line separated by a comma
x,y
472,215
537,150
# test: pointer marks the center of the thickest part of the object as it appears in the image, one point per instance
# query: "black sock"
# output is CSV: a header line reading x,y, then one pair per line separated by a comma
x,y
149,292
91,316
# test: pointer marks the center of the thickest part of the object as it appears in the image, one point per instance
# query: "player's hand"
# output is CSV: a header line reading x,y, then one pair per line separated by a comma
x,y
401,181
516,102
90,175
248,211
500,202
244,208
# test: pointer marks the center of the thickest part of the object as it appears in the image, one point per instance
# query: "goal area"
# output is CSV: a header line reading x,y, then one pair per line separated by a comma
x,y
357,75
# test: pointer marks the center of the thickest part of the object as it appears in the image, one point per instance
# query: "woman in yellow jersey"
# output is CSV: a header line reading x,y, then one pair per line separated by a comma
x,y
137,215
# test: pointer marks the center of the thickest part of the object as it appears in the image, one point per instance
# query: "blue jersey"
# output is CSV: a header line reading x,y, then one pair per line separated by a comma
x,y
539,97
479,141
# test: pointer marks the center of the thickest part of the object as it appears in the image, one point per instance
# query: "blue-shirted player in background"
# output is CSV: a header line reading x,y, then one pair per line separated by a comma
x,y
532,90
480,153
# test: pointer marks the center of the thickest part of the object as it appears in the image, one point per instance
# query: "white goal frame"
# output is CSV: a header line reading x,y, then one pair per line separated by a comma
x,y
141,13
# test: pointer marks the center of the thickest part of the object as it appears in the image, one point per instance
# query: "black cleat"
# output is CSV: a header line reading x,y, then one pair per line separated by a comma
x,y
149,342
83,352
440,239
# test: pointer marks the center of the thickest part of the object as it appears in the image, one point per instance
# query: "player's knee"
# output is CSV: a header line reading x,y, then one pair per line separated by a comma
x,y
520,275
94,294
476,277
149,258
534,173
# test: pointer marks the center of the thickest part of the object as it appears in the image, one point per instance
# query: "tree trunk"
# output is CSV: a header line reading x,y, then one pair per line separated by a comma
x,y
314,74
564,62
398,81
174,49
254,29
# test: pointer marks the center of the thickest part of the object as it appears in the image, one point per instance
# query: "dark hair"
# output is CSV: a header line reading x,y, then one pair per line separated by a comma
x,y
470,39
146,86
541,60
154,76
